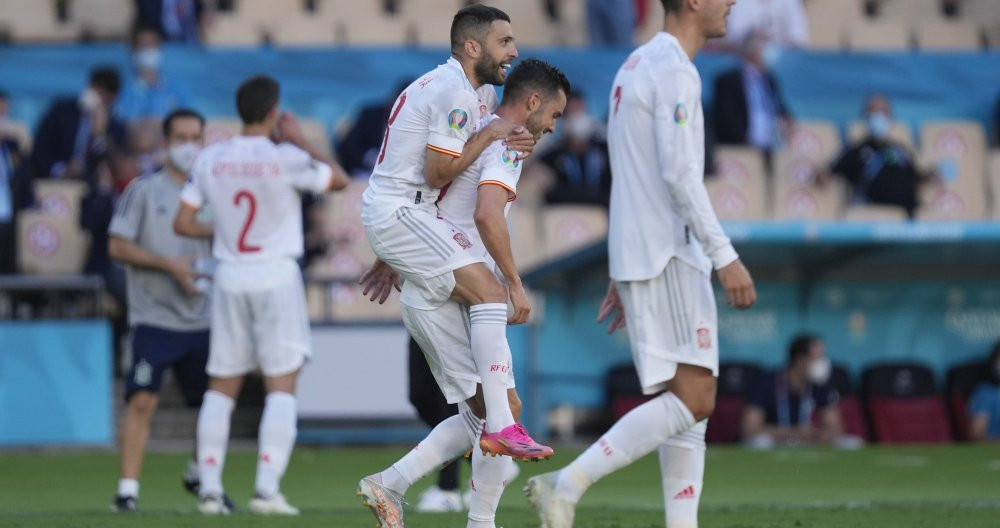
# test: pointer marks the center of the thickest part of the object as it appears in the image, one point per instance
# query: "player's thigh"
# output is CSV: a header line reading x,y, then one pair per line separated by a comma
x,y
190,370
443,336
477,284
281,322
230,349
153,351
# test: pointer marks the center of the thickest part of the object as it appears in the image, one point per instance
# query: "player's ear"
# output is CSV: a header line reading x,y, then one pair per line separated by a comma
x,y
472,48
534,101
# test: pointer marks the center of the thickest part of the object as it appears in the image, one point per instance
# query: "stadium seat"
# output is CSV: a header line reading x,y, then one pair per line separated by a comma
x,y
231,30
874,213
904,406
815,140
739,189
573,23
827,20
36,21
378,30
525,238
735,380
957,149
910,11
531,24
315,133
103,19
959,383
948,35
796,194
650,26
268,11
851,411
60,198
49,244
221,128
347,304
302,31
20,131
432,29
899,133
571,227
878,35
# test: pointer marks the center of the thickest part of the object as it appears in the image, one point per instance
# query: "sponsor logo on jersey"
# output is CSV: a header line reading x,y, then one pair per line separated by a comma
x,y
457,119
462,240
704,338
680,114
509,158
143,373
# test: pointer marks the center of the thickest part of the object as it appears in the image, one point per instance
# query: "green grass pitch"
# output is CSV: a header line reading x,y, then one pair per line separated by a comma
x,y
911,487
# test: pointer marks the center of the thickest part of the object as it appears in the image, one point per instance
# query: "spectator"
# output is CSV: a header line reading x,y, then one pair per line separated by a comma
x,y
879,169
359,149
610,22
781,406
580,160
781,22
76,133
984,404
177,20
748,107
148,92
11,186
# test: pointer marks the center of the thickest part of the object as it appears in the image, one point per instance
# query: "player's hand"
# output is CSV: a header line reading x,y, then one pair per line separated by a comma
x,y
183,272
522,306
522,141
380,280
612,305
289,130
735,279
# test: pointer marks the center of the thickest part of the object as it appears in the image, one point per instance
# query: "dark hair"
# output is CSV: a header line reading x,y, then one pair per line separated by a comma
x,y
800,347
532,75
473,22
180,113
672,6
256,97
105,78
141,26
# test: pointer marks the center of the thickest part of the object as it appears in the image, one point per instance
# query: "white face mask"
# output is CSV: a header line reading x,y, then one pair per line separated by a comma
x,y
819,371
879,125
771,54
89,100
147,59
580,126
182,156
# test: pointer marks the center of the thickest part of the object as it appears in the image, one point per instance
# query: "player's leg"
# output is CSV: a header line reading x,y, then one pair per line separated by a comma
x,y
682,468
213,439
490,476
276,439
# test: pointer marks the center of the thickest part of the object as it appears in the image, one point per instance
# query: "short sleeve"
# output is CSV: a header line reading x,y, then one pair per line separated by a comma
x,y
500,166
304,172
127,220
452,116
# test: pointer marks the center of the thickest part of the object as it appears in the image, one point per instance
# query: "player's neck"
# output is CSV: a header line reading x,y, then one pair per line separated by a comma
x,y
470,71
256,129
513,115
687,34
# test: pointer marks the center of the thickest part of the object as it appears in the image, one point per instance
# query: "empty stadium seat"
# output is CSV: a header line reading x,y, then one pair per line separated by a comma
x,y
531,25
900,133
432,29
268,11
60,198
815,140
651,25
874,213
572,25
827,20
104,19
302,31
20,132
739,189
378,30
796,193
49,244
881,34
851,411
315,133
230,30
948,35
735,380
36,21
904,405
957,149
348,305
910,11
525,238
959,383
568,228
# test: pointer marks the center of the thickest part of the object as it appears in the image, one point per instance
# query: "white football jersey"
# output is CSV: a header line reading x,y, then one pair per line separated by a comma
x,y
439,111
497,165
656,143
253,188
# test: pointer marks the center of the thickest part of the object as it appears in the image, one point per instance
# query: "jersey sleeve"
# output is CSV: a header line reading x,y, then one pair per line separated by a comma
x,y
677,94
500,166
304,172
193,193
127,220
451,122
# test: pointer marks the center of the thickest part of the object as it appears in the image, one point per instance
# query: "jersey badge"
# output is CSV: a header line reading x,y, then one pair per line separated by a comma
x,y
457,119
680,114
704,338
462,240
509,158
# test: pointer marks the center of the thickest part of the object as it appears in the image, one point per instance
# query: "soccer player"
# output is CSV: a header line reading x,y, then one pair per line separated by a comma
x,y
168,313
664,239
475,205
253,186
434,134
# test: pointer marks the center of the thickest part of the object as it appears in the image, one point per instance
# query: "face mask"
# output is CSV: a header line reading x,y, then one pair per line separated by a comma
x,y
819,371
579,126
879,125
771,54
89,100
182,156
148,59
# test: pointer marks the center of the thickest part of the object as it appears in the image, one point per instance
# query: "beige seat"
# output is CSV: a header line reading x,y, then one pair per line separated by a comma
x,y
652,25
36,21
874,213
268,12
431,20
532,26
60,198
815,140
221,128
986,14
49,244
910,11
882,34
302,31
796,193
106,19
954,139
948,35
957,149
900,133
739,188
568,228
526,239
379,30
827,20
19,131
315,133
231,30
571,30
347,304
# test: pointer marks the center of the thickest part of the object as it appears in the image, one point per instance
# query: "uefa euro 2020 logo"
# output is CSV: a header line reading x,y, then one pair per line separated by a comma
x,y
509,158
457,119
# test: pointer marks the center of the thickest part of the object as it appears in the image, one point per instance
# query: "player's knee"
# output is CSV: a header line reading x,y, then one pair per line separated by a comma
x,y
143,403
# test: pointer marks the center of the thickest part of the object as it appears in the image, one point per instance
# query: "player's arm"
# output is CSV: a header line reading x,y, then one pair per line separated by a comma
x,y
290,131
492,225
186,222
127,251
677,140
442,165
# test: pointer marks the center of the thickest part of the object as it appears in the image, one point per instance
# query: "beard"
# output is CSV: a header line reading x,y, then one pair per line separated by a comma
x,y
487,71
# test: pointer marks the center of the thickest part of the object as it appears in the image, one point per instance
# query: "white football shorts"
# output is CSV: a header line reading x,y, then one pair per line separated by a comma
x,y
671,319
424,250
443,334
259,319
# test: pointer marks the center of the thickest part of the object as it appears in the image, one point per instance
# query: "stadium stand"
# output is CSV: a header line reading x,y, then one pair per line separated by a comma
x,y
102,19
570,227
900,133
878,35
50,244
903,404
948,35
34,21
735,379
739,189
958,151
851,410
818,141
303,31
798,195
231,30
874,213
959,382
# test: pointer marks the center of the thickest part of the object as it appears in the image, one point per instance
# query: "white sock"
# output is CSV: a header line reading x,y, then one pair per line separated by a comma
x,y
487,485
276,438
128,487
213,435
493,361
682,466
446,442
635,435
